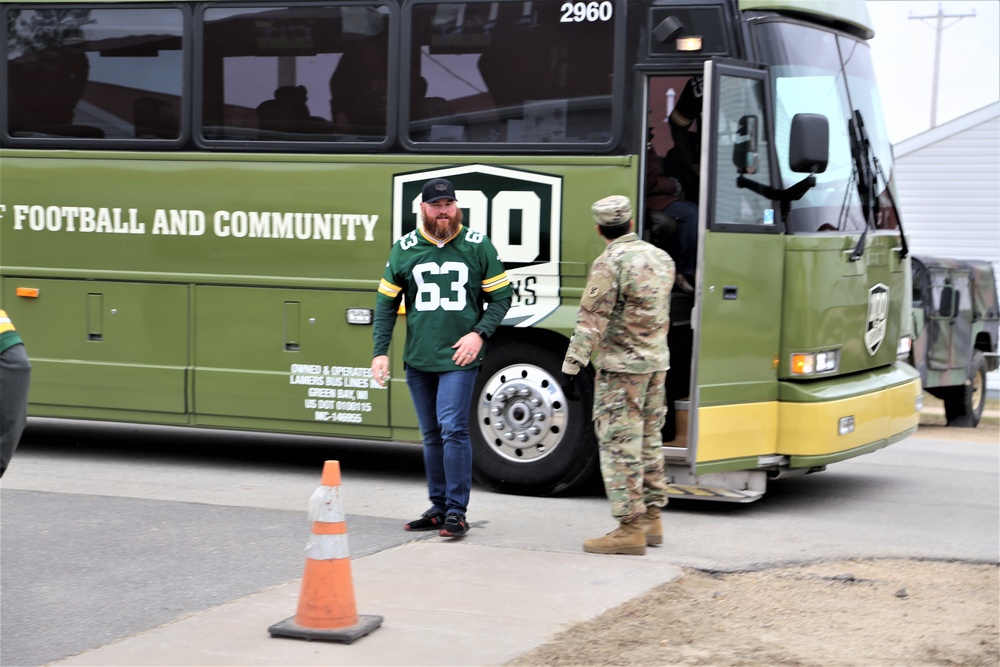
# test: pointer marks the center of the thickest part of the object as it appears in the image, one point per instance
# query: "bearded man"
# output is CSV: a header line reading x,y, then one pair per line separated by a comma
x,y
443,273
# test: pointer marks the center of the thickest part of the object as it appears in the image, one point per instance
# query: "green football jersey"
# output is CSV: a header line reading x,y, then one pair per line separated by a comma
x,y
444,287
8,336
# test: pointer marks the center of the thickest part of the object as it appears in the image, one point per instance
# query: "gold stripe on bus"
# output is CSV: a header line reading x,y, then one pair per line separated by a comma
x,y
901,405
736,431
810,429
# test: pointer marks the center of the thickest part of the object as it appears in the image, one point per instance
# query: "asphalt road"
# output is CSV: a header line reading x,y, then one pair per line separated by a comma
x,y
110,530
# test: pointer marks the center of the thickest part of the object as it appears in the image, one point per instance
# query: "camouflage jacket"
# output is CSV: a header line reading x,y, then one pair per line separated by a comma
x,y
625,310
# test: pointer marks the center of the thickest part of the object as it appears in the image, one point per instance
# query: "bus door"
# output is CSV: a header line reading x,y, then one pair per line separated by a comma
x,y
738,310
670,221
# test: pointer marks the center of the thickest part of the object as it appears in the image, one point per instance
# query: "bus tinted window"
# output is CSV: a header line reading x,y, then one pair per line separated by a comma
x,y
742,151
95,73
512,72
305,73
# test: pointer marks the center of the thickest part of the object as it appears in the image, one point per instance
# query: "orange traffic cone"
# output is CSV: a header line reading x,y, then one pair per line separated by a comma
x,y
326,603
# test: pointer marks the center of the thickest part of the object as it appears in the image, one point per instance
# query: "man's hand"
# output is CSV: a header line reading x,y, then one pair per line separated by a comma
x,y
467,349
380,369
568,385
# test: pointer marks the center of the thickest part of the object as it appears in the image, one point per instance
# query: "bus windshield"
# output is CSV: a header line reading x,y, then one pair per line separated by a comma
x,y
816,71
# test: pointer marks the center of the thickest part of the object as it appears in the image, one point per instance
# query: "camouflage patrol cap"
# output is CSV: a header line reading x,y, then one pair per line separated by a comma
x,y
613,210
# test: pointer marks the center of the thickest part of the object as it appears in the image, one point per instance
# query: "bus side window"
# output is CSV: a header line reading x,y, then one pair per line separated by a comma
x,y
513,73
308,73
92,73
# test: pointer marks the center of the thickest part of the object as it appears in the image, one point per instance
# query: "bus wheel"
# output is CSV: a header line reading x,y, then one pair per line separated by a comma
x,y
963,406
527,437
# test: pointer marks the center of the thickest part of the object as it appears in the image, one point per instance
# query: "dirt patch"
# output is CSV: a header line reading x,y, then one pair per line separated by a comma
x,y
845,613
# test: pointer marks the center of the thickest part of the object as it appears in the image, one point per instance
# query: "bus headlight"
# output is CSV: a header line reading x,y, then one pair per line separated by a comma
x,y
904,347
813,363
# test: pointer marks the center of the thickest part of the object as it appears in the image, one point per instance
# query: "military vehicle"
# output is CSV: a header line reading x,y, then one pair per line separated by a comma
x,y
955,322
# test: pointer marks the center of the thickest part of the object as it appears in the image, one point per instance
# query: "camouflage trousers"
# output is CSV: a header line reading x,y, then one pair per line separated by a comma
x,y
629,410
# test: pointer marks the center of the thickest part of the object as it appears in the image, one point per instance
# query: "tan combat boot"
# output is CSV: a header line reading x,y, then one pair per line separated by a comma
x,y
627,539
651,525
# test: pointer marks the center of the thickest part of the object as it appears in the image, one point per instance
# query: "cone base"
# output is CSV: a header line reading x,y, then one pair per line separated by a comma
x,y
289,628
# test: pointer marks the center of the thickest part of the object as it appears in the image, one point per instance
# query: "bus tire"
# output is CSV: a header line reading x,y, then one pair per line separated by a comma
x,y
527,437
963,405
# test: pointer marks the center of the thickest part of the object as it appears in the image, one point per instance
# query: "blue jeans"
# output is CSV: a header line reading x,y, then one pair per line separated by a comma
x,y
442,401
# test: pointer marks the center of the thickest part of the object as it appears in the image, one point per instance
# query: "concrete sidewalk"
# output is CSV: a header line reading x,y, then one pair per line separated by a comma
x,y
443,603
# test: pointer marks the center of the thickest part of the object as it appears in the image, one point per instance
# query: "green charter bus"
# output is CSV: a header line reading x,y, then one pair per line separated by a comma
x,y
197,200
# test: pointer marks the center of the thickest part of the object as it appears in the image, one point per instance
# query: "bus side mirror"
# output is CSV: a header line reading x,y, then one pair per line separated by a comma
x,y
809,144
746,155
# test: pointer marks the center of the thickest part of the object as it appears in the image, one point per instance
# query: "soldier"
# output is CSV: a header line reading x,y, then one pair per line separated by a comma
x,y
15,374
625,315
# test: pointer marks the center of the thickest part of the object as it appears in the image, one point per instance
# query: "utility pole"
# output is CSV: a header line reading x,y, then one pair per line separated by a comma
x,y
940,16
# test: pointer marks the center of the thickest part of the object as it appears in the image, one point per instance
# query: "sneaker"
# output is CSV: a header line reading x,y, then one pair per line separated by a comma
x,y
429,520
454,526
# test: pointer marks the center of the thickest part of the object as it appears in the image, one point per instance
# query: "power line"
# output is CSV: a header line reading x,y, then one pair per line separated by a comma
x,y
940,16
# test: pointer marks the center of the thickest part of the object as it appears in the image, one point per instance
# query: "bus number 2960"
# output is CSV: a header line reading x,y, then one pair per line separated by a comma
x,y
579,12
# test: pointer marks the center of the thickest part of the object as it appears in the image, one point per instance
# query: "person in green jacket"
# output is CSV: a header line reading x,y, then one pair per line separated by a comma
x,y
444,273
15,373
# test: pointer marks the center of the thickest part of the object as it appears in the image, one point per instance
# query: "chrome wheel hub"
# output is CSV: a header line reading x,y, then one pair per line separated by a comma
x,y
522,413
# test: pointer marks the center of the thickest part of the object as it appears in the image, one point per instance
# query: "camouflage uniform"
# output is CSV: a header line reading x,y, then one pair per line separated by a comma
x,y
625,315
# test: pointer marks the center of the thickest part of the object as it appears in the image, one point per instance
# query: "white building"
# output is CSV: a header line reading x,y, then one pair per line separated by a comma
x,y
948,186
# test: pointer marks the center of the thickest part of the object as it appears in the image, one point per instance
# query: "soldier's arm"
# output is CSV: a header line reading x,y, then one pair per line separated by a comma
x,y
592,319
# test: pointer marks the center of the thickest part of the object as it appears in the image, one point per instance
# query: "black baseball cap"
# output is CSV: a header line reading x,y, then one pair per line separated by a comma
x,y
438,188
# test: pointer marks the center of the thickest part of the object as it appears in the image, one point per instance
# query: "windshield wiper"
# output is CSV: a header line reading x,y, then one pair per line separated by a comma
x,y
904,250
866,179
869,169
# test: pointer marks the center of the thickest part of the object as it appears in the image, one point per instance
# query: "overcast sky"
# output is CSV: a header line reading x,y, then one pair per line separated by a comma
x,y
903,50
